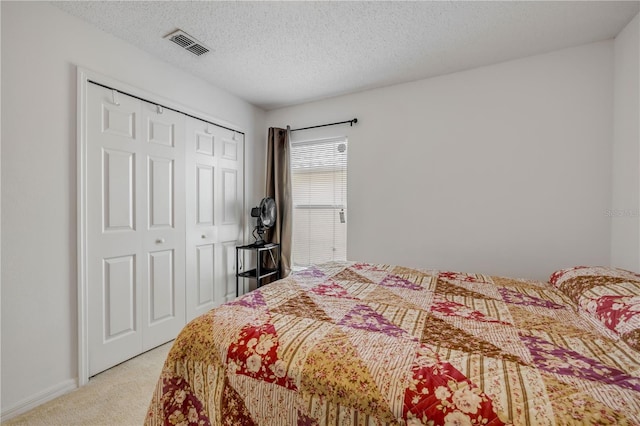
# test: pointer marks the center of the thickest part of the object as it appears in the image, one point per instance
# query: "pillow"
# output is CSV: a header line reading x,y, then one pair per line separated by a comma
x,y
610,295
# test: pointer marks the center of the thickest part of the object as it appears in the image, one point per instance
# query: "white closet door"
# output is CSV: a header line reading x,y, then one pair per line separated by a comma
x,y
114,228
230,209
135,227
163,241
215,202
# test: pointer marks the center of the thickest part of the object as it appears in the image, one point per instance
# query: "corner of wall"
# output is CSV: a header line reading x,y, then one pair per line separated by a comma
x,y
624,212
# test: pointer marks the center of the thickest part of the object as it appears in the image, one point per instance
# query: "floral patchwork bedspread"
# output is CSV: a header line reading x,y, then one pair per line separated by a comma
x,y
361,344
610,295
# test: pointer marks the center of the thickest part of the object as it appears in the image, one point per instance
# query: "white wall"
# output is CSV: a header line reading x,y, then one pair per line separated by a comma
x,y
41,47
504,169
0,212
625,202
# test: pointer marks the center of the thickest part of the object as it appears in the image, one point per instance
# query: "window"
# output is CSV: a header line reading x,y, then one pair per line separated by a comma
x,y
319,192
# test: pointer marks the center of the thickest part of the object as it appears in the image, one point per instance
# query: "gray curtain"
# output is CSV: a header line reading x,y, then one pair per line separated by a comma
x,y
279,188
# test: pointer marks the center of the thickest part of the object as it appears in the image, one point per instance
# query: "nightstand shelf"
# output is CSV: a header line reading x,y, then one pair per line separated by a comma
x,y
259,272
254,273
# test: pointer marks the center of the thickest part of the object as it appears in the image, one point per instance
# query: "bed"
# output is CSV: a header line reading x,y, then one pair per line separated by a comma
x,y
363,344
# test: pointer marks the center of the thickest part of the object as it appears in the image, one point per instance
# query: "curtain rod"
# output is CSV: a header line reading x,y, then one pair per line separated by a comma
x,y
352,122
164,106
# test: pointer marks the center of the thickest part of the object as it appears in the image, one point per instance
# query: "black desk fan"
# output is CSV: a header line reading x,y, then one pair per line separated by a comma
x,y
266,214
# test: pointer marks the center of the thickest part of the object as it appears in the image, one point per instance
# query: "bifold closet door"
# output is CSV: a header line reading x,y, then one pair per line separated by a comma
x,y
135,226
215,201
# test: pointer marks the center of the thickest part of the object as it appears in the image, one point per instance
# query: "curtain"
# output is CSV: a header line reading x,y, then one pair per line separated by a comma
x,y
278,187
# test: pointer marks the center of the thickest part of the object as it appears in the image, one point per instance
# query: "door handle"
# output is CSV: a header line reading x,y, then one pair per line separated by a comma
x,y
160,241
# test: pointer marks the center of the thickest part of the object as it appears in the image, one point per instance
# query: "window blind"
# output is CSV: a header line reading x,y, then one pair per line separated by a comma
x,y
319,192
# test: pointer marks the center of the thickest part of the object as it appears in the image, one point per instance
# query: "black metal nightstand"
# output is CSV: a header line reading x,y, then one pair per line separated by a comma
x,y
259,273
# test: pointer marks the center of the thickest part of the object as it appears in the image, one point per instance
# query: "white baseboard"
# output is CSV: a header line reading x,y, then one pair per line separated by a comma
x,y
39,398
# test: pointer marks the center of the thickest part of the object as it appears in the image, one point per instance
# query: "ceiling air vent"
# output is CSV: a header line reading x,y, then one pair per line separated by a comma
x,y
187,42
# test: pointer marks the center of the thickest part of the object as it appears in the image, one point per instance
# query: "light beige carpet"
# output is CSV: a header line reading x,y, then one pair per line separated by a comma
x,y
118,396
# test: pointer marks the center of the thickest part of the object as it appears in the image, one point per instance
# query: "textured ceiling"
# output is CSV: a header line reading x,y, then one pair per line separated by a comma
x,y
274,54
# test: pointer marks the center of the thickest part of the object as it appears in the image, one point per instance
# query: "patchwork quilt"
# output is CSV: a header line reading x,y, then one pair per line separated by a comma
x,y
362,344
610,295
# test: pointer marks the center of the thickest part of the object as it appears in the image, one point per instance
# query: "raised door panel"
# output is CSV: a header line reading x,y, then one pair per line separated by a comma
x,y
229,270
205,258
161,132
204,195
119,297
161,283
229,197
118,121
118,179
230,149
204,143
161,192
